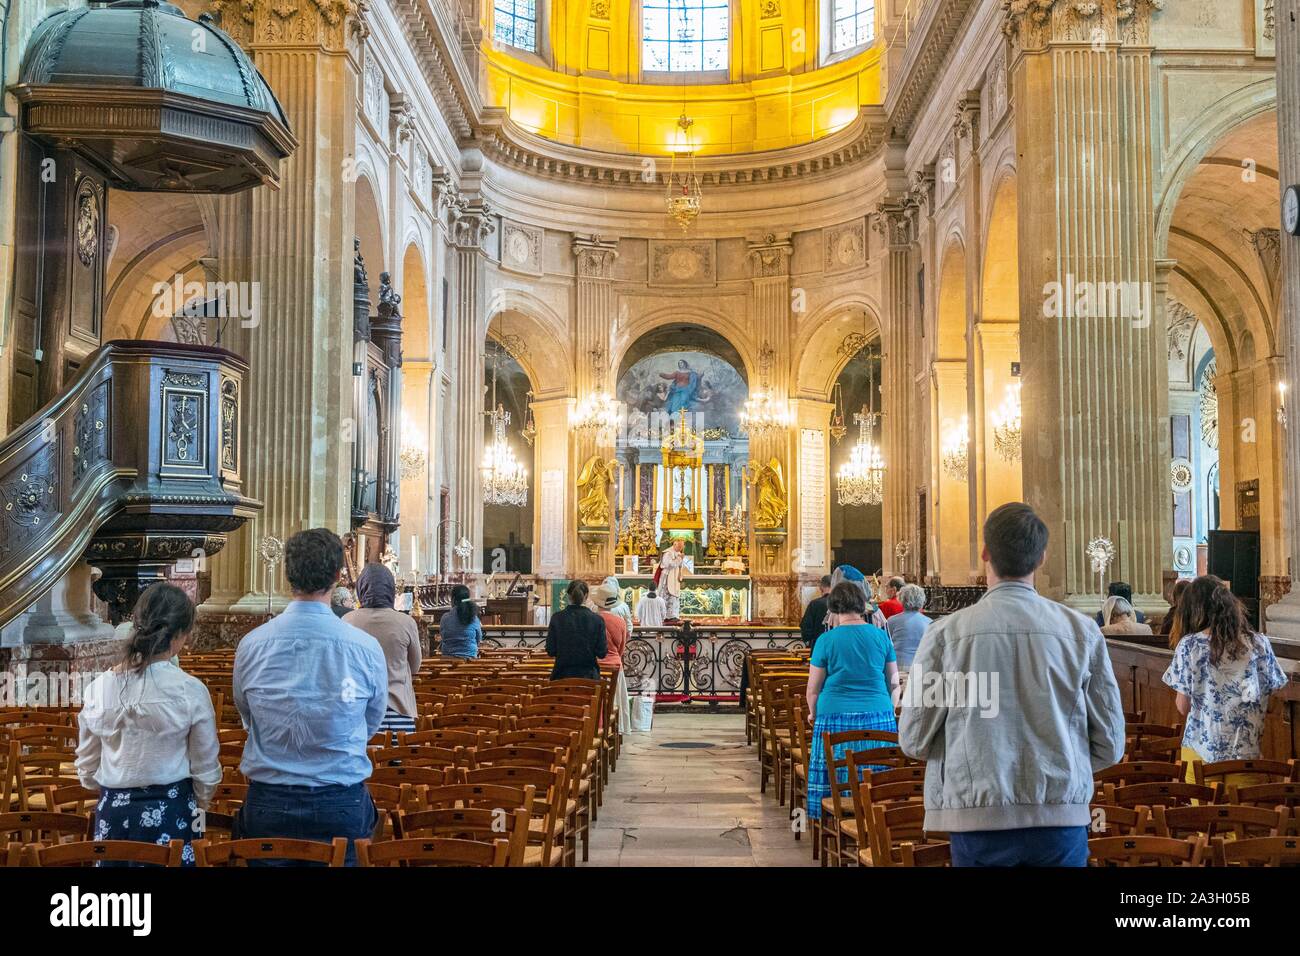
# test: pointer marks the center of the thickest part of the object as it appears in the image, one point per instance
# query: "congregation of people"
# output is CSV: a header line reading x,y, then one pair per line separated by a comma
x,y
1051,690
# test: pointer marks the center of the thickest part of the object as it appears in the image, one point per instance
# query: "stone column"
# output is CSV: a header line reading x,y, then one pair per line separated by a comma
x,y
896,221
471,223
1096,449
593,335
1284,617
300,260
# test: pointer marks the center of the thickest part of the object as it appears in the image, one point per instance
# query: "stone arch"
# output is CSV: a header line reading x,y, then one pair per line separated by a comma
x,y
518,318
822,347
687,313
370,229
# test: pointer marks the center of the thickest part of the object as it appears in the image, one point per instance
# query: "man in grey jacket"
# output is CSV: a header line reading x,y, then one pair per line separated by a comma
x,y
1013,705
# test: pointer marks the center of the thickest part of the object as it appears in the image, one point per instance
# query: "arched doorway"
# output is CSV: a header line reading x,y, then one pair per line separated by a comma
x,y
508,514
857,522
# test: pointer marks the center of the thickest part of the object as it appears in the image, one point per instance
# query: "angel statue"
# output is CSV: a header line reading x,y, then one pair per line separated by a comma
x,y
770,503
593,494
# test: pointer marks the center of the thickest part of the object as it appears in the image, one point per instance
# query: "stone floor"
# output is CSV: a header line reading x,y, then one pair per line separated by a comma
x,y
692,807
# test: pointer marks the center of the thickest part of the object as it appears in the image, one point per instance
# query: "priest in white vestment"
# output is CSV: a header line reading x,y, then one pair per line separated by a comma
x,y
672,567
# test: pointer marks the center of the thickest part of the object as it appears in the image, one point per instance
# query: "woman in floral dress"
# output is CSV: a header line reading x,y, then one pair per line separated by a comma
x,y
1224,673
149,734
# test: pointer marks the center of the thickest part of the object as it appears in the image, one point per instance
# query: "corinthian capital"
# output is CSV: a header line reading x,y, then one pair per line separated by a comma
x,y
328,24
1032,24
472,221
595,256
896,221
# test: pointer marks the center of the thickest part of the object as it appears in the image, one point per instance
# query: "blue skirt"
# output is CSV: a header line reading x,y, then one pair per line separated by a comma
x,y
819,781
157,814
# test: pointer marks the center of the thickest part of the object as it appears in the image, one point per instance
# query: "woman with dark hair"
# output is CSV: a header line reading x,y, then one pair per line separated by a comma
x,y
1169,626
1223,672
460,629
399,639
852,684
149,733
576,637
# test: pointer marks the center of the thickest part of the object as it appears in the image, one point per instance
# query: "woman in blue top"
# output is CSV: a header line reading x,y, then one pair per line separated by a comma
x,y
852,685
460,628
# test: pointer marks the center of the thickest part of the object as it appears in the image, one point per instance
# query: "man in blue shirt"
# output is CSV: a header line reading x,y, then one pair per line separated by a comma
x,y
311,691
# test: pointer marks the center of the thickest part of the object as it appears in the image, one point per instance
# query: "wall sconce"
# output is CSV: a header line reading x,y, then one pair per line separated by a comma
x,y
1281,404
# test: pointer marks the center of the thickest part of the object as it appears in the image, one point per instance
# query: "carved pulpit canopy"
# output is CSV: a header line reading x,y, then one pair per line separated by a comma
x,y
155,100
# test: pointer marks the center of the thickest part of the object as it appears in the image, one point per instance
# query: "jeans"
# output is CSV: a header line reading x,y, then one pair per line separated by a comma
x,y
1032,846
306,813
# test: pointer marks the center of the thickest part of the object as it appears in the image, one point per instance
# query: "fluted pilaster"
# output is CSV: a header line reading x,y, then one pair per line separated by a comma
x,y
1095,373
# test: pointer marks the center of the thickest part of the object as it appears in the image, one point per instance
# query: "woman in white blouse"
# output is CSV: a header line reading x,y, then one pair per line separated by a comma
x,y
149,734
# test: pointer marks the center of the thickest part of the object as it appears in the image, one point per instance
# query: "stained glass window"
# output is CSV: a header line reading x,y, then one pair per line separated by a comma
x,y
515,23
682,36
853,23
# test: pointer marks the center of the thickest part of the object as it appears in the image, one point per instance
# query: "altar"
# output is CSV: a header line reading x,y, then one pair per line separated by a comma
x,y
705,598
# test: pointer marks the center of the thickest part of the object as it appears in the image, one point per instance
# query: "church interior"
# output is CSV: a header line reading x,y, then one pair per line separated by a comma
x,y
763,292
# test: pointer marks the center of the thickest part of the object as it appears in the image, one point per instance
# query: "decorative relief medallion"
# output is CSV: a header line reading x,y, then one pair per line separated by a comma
x,y
1181,324
87,223
521,248
845,247
375,97
769,9
1182,557
600,9
682,263
29,499
1180,475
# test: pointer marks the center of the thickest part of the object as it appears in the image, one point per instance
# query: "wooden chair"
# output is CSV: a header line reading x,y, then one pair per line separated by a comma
x,y
1167,749
94,852
44,827
890,826
835,827
240,852
1266,795
468,823
70,798
1146,851
51,738
1168,794
1260,851
1111,820
433,852
1217,820
1276,771
421,755
552,837
1140,771
36,773
448,738
930,854
519,757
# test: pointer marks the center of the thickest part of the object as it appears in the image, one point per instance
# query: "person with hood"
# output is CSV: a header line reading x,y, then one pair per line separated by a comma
x,y
149,734
609,597
847,572
618,630
399,638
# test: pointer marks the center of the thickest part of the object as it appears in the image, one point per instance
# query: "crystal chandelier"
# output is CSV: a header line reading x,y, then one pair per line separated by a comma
x,y
956,452
597,413
764,414
862,477
505,480
1006,425
412,461
683,193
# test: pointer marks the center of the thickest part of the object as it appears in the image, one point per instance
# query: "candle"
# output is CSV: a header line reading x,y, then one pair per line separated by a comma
x,y
415,553
361,549
726,478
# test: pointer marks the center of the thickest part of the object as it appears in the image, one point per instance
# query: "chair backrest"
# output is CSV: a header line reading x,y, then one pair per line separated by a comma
x,y
44,827
93,852
469,823
408,775
1217,820
438,851
420,755
1111,820
1146,851
1261,851
1140,771
1167,794
449,738
842,791
1277,771
520,756
1266,795
239,852
893,824
930,854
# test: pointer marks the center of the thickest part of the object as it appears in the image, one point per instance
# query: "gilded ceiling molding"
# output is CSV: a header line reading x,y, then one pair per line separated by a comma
x,y
510,145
